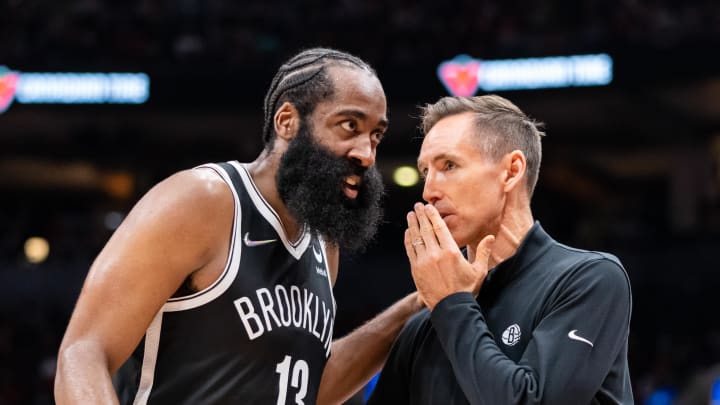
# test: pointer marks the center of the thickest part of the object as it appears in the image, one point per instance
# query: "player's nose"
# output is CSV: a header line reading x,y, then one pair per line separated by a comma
x,y
363,151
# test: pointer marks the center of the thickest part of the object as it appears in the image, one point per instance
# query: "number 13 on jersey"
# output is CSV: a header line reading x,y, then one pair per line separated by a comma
x,y
299,379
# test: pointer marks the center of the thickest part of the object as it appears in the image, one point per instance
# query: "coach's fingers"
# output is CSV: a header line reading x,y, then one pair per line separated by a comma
x,y
440,229
426,229
409,248
482,261
413,227
416,239
482,255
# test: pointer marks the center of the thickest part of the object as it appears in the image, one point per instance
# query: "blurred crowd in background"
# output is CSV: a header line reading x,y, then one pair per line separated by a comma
x,y
159,32
660,214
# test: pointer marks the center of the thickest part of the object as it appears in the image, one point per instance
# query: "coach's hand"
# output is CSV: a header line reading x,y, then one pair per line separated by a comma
x,y
437,264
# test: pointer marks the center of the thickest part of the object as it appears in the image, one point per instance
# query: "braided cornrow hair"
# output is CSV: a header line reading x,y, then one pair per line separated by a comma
x,y
303,81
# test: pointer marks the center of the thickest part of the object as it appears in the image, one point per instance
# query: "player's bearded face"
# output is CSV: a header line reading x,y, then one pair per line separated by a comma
x,y
310,182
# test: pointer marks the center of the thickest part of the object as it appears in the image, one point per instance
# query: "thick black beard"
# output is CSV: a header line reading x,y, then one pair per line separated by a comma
x,y
310,182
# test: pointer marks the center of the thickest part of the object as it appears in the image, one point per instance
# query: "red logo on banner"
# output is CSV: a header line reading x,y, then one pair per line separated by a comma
x,y
460,75
8,83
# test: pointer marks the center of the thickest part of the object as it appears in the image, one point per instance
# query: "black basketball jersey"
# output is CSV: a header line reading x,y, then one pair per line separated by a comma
x,y
261,334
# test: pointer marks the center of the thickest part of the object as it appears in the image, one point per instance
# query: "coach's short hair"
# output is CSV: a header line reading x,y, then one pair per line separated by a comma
x,y
501,128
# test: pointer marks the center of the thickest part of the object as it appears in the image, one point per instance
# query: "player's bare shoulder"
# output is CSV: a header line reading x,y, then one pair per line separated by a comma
x,y
198,186
190,208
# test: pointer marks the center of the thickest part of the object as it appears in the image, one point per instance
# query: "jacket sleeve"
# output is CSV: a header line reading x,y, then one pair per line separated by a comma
x,y
571,350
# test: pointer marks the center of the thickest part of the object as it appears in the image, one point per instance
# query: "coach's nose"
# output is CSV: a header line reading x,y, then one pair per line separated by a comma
x,y
431,189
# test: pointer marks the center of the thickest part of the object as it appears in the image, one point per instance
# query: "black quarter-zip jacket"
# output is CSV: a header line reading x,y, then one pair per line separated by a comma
x,y
550,326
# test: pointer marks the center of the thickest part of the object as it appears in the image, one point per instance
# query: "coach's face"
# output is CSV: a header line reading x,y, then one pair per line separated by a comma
x,y
327,176
463,184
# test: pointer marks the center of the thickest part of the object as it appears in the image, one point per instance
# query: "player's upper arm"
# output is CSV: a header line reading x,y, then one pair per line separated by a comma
x,y
178,227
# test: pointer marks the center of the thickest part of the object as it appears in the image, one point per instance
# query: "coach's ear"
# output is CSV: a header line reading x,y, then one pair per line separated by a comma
x,y
286,121
515,168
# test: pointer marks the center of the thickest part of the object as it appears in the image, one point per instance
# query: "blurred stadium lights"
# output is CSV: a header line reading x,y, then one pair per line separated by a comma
x,y
42,174
72,88
113,219
37,249
463,75
118,184
661,396
715,392
406,176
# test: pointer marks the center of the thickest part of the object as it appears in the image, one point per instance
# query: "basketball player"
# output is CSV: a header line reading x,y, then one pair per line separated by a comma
x,y
550,323
217,288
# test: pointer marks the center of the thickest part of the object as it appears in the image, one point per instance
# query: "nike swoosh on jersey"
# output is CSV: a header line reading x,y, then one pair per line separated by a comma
x,y
318,255
252,243
572,335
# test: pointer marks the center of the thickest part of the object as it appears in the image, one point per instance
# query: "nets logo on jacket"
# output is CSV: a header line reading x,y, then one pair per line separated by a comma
x,y
511,335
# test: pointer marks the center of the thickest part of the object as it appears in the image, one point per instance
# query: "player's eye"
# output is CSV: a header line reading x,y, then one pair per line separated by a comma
x,y
378,136
349,125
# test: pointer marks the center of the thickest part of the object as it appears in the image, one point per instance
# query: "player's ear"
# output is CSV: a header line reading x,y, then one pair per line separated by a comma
x,y
286,121
515,169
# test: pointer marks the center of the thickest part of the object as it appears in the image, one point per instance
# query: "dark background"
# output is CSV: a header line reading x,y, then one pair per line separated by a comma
x,y
632,168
